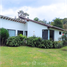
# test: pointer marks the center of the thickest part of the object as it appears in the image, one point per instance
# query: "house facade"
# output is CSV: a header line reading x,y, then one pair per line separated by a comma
x,y
30,28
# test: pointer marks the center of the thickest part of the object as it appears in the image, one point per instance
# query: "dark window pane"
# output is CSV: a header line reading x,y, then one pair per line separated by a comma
x,y
20,32
60,33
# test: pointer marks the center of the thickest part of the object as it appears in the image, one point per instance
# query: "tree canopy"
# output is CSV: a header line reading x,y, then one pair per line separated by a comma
x,y
22,13
58,23
36,19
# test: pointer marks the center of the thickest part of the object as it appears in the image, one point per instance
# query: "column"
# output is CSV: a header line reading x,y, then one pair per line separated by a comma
x,y
48,34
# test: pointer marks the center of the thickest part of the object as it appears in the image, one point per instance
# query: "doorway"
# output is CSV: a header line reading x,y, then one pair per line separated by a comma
x,y
52,35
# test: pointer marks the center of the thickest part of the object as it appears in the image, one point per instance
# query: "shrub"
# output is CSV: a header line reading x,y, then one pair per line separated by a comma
x,y
41,45
16,41
3,35
13,41
47,43
64,38
57,44
23,38
38,42
34,41
30,41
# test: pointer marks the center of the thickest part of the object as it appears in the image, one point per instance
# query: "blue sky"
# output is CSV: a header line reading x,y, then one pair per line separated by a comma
x,y
43,9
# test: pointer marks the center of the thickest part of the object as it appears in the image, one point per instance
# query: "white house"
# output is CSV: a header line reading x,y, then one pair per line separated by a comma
x,y
30,27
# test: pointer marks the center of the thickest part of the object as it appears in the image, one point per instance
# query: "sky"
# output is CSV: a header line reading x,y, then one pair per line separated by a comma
x,y
43,9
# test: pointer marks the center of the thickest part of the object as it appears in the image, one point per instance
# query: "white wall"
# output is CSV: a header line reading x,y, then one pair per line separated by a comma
x,y
12,25
31,27
57,35
0,23
26,26
35,29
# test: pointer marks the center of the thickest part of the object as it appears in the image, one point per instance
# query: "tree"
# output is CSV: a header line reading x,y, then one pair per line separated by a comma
x,y
58,23
3,35
22,13
52,23
65,26
36,19
44,21
64,20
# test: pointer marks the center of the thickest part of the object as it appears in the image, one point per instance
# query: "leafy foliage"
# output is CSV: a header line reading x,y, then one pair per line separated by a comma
x,y
38,42
22,13
58,23
64,20
36,19
3,35
34,41
16,41
57,44
65,26
64,38
46,44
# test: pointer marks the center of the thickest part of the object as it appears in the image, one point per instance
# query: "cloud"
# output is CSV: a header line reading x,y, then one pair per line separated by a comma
x,y
0,8
48,13
32,3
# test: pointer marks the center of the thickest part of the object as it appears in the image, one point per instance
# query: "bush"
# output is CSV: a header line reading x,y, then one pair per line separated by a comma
x,y
16,41
3,35
64,38
46,44
13,41
23,38
34,41
38,42
57,44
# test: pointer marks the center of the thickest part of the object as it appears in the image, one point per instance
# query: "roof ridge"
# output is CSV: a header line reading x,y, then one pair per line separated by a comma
x,y
49,26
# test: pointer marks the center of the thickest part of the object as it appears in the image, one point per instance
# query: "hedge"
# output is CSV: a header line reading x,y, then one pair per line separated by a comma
x,y
16,41
33,42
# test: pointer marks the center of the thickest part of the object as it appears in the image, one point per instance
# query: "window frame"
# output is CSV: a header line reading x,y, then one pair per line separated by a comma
x,y
12,30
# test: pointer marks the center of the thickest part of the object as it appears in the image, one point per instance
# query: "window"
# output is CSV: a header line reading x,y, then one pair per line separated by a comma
x,y
20,32
60,33
12,32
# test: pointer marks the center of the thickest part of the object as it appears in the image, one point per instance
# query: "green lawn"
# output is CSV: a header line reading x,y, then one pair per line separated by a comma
x,y
32,57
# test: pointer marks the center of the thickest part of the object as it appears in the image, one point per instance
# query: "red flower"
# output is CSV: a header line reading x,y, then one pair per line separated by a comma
x,y
62,34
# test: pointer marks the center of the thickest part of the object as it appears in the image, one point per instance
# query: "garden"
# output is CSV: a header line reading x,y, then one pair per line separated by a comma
x,y
20,51
33,41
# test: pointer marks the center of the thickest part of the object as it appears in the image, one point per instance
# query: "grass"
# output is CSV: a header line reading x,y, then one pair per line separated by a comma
x,y
32,57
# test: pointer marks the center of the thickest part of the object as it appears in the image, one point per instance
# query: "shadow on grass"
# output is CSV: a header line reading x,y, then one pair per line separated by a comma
x,y
64,49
